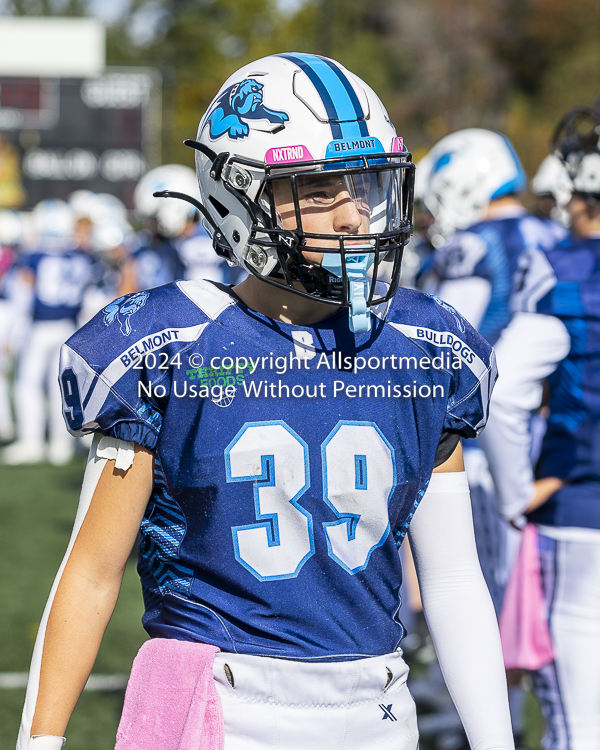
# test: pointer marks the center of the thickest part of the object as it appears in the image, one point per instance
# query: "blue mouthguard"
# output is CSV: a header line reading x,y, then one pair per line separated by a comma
x,y
357,267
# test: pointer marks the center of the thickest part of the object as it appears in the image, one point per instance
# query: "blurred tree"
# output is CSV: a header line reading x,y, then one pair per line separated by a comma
x,y
439,65
199,44
512,65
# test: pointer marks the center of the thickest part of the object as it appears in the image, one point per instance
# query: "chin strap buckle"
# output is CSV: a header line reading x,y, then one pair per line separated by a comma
x,y
357,267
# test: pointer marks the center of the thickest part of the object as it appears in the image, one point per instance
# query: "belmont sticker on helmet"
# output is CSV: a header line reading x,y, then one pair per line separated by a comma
x,y
286,154
353,146
398,145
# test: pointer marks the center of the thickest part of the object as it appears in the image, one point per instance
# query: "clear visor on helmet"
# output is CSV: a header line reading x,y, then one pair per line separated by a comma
x,y
326,205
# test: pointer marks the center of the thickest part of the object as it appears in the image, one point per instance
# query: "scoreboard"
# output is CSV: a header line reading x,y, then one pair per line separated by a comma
x,y
99,133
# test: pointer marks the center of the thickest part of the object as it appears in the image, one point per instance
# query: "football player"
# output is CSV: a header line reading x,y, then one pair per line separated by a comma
x,y
154,259
58,272
274,443
11,231
563,503
472,183
472,186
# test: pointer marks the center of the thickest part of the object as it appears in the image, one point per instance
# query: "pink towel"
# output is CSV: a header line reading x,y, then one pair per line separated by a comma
x,y
171,701
524,632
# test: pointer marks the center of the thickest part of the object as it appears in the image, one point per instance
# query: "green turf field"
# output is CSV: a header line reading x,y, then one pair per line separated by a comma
x,y
37,508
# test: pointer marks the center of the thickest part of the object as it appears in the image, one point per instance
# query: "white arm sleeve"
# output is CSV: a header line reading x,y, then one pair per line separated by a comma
x,y
529,350
470,296
459,611
102,450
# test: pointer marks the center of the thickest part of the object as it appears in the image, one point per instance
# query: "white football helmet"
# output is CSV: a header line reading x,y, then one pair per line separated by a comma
x,y
576,142
171,215
11,227
552,179
52,223
465,171
288,124
108,215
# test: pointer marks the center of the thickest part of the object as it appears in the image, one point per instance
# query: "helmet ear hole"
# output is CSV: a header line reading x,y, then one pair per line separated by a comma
x,y
222,210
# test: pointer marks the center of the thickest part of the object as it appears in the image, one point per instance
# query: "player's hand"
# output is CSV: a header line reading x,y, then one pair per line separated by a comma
x,y
543,491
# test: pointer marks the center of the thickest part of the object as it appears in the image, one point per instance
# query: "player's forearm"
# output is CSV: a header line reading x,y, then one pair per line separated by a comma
x,y
528,351
507,443
464,630
459,611
111,506
544,489
79,616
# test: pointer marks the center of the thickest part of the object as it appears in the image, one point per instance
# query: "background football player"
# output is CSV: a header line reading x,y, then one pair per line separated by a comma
x,y
472,182
563,503
58,269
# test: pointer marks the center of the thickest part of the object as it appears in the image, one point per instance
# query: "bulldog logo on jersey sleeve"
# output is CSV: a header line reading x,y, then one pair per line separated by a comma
x,y
122,309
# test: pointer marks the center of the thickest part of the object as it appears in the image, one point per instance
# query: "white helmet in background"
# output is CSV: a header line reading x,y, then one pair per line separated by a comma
x,y
467,170
296,119
108,215
52,223
111,227
552,179
108,209
11,227
82,202
172,215
586,177
576,142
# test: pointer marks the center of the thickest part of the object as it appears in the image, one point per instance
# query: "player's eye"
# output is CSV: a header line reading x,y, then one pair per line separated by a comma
x,y
319,196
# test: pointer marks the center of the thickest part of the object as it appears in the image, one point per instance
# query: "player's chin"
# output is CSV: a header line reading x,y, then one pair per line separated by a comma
x,y
313,256
321,248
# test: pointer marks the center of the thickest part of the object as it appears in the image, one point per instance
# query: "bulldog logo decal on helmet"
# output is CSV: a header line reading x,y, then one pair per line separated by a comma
x,y
242,100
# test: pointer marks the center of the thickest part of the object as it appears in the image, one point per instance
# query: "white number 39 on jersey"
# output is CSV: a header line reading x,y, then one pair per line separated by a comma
x,y
359,476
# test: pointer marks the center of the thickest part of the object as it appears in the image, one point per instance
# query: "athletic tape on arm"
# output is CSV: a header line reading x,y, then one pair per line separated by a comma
x,y
46,742
459,611
102,450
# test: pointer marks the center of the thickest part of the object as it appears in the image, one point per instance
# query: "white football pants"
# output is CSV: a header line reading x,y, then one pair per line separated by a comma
x,y
569,688
38,367
292,705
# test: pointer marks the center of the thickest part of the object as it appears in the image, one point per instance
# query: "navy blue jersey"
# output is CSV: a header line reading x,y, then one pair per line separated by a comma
x,y
289,459
491,250
61,278
157,262
571,446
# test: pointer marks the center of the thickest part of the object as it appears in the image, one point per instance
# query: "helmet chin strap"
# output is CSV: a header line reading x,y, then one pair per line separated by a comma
x,y
357,267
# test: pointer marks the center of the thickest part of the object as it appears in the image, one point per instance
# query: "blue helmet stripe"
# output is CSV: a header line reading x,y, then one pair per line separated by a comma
x,y
342,108
360,115
519,181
